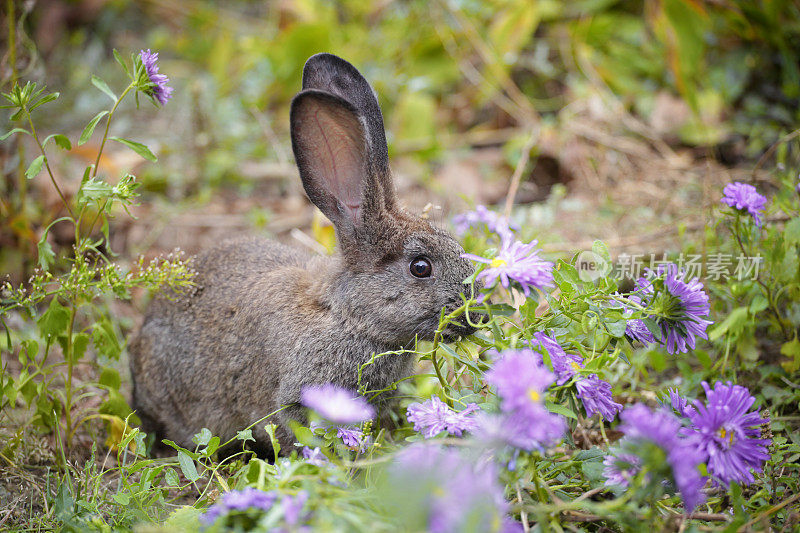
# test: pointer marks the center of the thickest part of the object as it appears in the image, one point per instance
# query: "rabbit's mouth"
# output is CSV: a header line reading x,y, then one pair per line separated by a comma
x,y
454,330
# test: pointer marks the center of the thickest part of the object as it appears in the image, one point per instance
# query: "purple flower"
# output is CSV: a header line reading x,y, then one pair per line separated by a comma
x,y
481,215
597,398
454,491
521,383
680,404
158,89
520,380
434,416
677,305
564,365
336,404
239,500
744,197
292,506
517,262
315,456
353,438
593,391
635,328
728,433
662,429
620,469
531,430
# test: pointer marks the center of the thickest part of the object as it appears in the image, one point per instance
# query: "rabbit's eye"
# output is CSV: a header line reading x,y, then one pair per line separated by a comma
x,y
421,267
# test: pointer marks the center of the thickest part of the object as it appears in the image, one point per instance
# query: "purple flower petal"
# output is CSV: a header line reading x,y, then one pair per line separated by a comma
x,y
667,291
337,404
515,262
746,198
434,416
159,90
728,433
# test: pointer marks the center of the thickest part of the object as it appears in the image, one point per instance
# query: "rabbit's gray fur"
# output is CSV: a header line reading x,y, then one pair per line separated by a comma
x,y
266,320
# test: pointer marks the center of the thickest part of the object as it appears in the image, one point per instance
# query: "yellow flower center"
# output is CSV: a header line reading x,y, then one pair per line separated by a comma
x,y
725,435
575,366
497,263
534,395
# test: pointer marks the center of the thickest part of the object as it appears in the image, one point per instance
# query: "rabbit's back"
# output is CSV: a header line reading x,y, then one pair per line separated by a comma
x,y
210,357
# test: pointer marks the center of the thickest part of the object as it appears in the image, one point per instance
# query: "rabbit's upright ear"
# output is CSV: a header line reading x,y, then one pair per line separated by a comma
x,y
332,151
332,74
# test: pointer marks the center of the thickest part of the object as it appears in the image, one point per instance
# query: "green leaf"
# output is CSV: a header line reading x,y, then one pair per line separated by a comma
x,y
202,438
46,253
89,129
791,232
245,435
44,100
105,340
80,342
121,61
100,84
560,409
652,327
601,249
187,466
35,167
791,350
657,360
61,140
95,189
55,320
734,323
170,476
109,377
30,348
615,324
758,304
122,498
303,435
12,132
139,148
8,333
213,444
276,446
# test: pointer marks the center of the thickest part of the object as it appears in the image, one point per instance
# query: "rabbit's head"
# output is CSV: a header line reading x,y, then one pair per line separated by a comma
x,y
398,271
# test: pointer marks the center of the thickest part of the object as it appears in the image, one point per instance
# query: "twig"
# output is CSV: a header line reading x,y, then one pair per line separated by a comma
x,y
589,494
523,514
575,516
761,160
492,64
269,133
711,517
523,162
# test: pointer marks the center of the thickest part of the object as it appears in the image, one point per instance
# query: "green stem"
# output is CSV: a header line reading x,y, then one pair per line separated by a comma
x,y
97,161
47,163
12,59
68,355
108,123
437,339
767,292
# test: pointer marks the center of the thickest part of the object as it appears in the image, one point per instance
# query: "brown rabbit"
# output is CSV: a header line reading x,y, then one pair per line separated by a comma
x,y
267,320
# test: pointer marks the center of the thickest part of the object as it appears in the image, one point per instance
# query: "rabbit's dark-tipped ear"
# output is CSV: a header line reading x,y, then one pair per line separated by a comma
x,y
331,149
332,74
